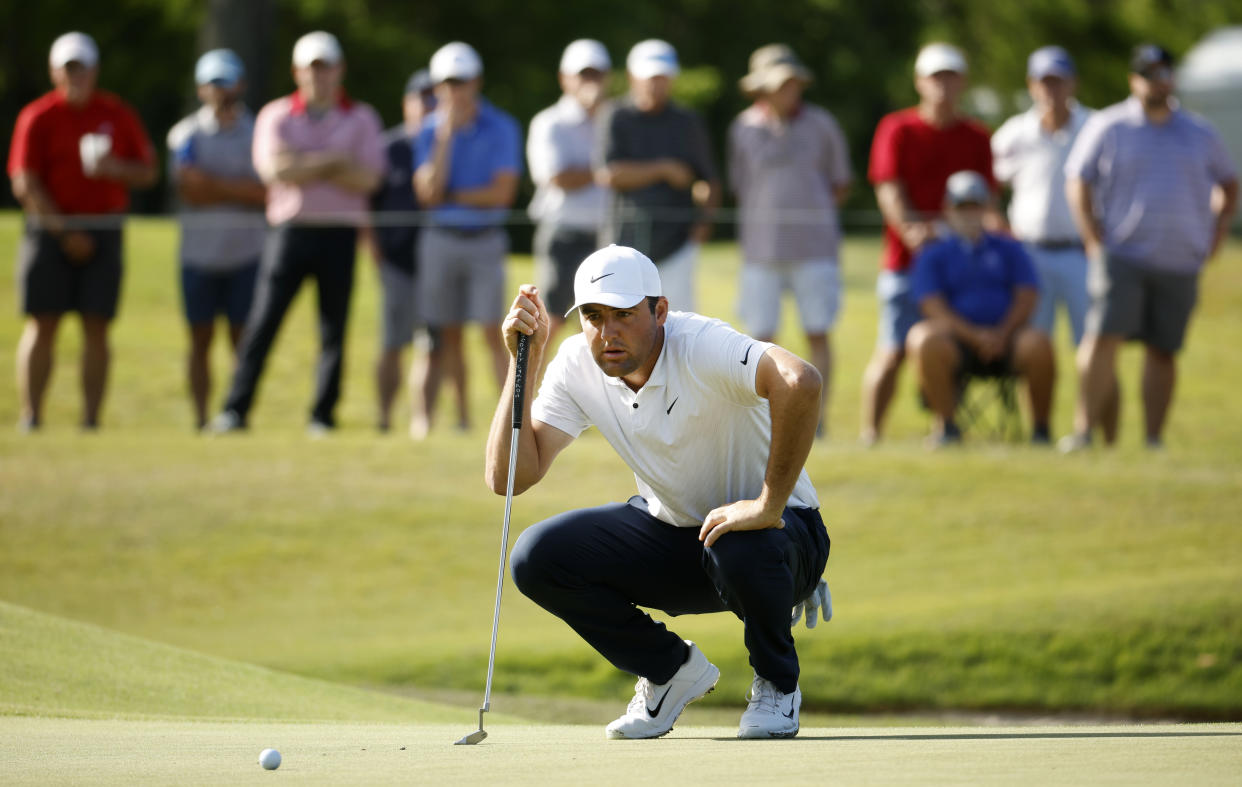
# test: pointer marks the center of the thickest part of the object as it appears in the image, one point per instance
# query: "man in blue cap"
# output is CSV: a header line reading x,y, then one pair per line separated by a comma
x,y
222,227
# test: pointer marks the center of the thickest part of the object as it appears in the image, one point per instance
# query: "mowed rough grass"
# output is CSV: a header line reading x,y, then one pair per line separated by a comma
x,y
997,577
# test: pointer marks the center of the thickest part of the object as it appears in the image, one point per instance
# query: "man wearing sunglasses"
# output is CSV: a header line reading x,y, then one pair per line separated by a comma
x,y
1153,190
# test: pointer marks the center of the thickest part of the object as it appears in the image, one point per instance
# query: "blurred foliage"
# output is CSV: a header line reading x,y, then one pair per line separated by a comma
x,y
861,53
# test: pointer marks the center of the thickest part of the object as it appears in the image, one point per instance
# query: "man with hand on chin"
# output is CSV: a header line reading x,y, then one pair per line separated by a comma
x,y
716,427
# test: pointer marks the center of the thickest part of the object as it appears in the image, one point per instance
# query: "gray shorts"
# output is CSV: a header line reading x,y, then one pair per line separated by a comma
x,y
399,314
558,253
49,283
461,277
1140,303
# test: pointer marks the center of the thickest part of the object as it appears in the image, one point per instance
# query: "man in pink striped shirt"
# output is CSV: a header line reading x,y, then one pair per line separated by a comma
x,y
321,155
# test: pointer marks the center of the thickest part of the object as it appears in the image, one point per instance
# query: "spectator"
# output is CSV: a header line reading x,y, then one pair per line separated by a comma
x,y
657,158
913,153
75,153
568,204
1153,191
394,245
221,217
321,154
468,157
1029,153
976,291
790,167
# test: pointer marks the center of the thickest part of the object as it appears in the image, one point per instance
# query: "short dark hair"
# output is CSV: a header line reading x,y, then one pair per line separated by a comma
x,y
652,302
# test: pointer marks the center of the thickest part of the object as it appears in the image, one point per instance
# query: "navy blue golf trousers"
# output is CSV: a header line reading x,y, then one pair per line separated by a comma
x,y
594,567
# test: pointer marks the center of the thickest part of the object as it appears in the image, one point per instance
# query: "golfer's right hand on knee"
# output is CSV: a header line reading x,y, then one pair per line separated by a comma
x,y
527,315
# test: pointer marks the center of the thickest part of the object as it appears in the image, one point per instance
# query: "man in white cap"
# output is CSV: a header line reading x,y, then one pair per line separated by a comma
x,y
321,155
468,158
976,291
568,205
657,158
716,427
76,153
790,167
222,228
912,155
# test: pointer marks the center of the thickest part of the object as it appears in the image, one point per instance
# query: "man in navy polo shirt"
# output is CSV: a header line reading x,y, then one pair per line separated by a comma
x,y
468,158
976,291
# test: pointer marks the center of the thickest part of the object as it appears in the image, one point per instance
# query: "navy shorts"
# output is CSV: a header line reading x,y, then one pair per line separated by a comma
x,y
50,283
206,293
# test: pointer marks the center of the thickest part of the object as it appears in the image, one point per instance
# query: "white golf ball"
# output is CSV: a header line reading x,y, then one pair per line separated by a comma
x,y
269,759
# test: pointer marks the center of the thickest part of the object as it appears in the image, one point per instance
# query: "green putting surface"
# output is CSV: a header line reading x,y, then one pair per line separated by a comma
x,y
75,751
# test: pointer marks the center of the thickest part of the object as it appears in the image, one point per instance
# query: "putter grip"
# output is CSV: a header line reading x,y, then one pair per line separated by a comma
x,y
519,379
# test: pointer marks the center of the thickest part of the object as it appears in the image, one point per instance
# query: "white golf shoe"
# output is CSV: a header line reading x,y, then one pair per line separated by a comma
x,y
656,706
769,713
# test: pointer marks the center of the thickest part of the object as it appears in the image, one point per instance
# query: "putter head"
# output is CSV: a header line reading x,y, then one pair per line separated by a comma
x,y
472,738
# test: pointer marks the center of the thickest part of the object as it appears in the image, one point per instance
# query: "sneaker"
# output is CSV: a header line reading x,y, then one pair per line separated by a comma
x,y
1074,443
769,713
318,429
227,421
656,706
1040,436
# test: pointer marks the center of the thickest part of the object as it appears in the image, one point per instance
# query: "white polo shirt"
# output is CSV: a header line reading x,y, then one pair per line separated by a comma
x,y
696,435
1032,161
563,137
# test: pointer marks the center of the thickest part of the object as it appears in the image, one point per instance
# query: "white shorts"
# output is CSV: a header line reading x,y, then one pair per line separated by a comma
x,y
677,277
816,287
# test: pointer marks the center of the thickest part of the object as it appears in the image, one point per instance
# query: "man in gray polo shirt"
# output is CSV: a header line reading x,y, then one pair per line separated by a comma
x,y
560,150
1141,181
657,158
222,226
790,167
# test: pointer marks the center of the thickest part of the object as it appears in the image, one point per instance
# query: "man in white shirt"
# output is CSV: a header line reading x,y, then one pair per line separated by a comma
x,y
1029,153
716,427
568,204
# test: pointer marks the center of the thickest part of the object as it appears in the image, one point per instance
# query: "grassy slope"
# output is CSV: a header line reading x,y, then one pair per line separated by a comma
x,y
992,577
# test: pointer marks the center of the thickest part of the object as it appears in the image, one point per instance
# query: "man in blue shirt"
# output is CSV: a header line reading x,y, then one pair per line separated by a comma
x,y
468,158
976,291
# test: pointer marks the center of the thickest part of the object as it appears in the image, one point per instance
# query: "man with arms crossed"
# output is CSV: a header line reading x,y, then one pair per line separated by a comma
x,y
222,227
75,152
657,158
568,204
321,155
1153,191
913,153
716,427
790,167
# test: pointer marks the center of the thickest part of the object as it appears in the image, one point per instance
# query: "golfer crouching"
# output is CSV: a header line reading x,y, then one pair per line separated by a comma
x,y
716,427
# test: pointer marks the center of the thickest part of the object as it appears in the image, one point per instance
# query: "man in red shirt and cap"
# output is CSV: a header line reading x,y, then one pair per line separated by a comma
x,y
76,152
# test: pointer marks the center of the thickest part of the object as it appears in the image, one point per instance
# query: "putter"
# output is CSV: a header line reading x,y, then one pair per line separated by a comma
x,y
519,395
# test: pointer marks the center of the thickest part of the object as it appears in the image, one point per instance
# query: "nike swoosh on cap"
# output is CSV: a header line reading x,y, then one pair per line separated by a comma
x,y
601,276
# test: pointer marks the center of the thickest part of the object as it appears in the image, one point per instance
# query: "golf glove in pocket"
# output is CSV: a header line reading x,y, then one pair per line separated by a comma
x,y
820,599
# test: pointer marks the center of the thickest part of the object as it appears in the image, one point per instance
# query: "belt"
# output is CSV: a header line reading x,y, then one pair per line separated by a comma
x,y
1057,245
465,232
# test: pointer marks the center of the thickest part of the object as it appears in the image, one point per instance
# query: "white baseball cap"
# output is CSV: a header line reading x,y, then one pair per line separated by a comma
x,y
652,58
615,276
74,48
319,46
455,60
221,66
583,54
938,57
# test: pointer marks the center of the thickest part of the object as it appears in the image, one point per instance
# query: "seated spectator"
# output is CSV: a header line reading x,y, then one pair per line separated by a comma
x,y
976,291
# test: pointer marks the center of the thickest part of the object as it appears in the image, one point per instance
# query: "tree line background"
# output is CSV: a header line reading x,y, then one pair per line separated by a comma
x,y
861,53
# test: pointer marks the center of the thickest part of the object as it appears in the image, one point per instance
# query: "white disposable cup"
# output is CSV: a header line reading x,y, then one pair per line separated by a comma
x,y
92,148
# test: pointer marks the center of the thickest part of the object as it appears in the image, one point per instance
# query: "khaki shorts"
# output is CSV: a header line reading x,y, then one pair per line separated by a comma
x,y
1140,303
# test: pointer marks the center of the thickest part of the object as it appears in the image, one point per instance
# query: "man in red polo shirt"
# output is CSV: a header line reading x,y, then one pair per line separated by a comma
x,y
913,154
76,152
